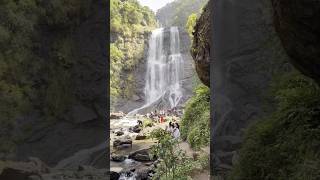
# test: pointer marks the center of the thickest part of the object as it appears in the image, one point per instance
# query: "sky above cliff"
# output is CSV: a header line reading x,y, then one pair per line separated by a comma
x,y
154,4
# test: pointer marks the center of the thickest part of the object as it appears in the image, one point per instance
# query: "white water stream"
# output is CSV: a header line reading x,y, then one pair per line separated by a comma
x,y
164,69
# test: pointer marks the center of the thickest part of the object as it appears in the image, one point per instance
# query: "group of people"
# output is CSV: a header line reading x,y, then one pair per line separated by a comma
x,y
174,129
169,112
157,116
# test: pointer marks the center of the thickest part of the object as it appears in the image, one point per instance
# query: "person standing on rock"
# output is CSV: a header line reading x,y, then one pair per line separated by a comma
x,y
139,122
176,131
161,119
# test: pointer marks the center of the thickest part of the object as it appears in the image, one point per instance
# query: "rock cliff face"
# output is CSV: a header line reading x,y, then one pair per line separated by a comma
x,y
84,122
200,49
125,104
297,23
188,66
247,53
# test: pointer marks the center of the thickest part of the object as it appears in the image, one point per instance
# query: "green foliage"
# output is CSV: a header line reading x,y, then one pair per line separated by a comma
x,y
116,55
147,122
174,164
33,66
129,24
167,151
195,122
191,22
127,14
286,144
186,168
177,12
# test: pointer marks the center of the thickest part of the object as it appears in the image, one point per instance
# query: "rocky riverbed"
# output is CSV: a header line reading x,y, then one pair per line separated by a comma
x,y
130,156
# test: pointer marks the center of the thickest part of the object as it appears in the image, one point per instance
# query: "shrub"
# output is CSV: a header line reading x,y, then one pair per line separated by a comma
x,y
147,122
167,151
286,144
195,126
174,164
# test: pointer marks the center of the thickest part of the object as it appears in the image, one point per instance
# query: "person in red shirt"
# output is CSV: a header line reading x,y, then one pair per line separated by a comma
x,y
161,119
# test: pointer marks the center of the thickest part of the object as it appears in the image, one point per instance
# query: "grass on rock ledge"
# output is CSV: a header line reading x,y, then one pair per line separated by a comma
x,y
286,144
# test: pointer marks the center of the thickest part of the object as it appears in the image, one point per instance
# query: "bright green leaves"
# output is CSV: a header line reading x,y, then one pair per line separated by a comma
x,y
191,22
129,24
195,122
174,163
169,153
129,18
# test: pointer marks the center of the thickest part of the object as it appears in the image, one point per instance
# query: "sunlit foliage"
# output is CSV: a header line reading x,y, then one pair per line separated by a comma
x,y
130,24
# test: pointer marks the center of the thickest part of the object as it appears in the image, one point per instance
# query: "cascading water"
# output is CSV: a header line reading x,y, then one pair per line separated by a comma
x,y
175,67
164,69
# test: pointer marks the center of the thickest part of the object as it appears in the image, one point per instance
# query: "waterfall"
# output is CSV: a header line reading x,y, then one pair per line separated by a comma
x,y
175,68
164,69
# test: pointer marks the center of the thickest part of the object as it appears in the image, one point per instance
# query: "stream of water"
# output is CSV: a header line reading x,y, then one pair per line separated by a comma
x,y
164,69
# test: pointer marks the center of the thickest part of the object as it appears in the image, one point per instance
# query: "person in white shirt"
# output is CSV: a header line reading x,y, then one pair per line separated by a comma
x,y
176,131
170,128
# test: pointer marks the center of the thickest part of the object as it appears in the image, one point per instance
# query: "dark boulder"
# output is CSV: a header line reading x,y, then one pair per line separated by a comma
x,y
141,155
135,129
118,115
122,141
117,157
298,25
141,137
119,133
114,175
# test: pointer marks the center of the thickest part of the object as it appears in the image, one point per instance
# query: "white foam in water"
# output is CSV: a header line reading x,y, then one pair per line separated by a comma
x,y
129,161
124,122
164,72
123,177
132,176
